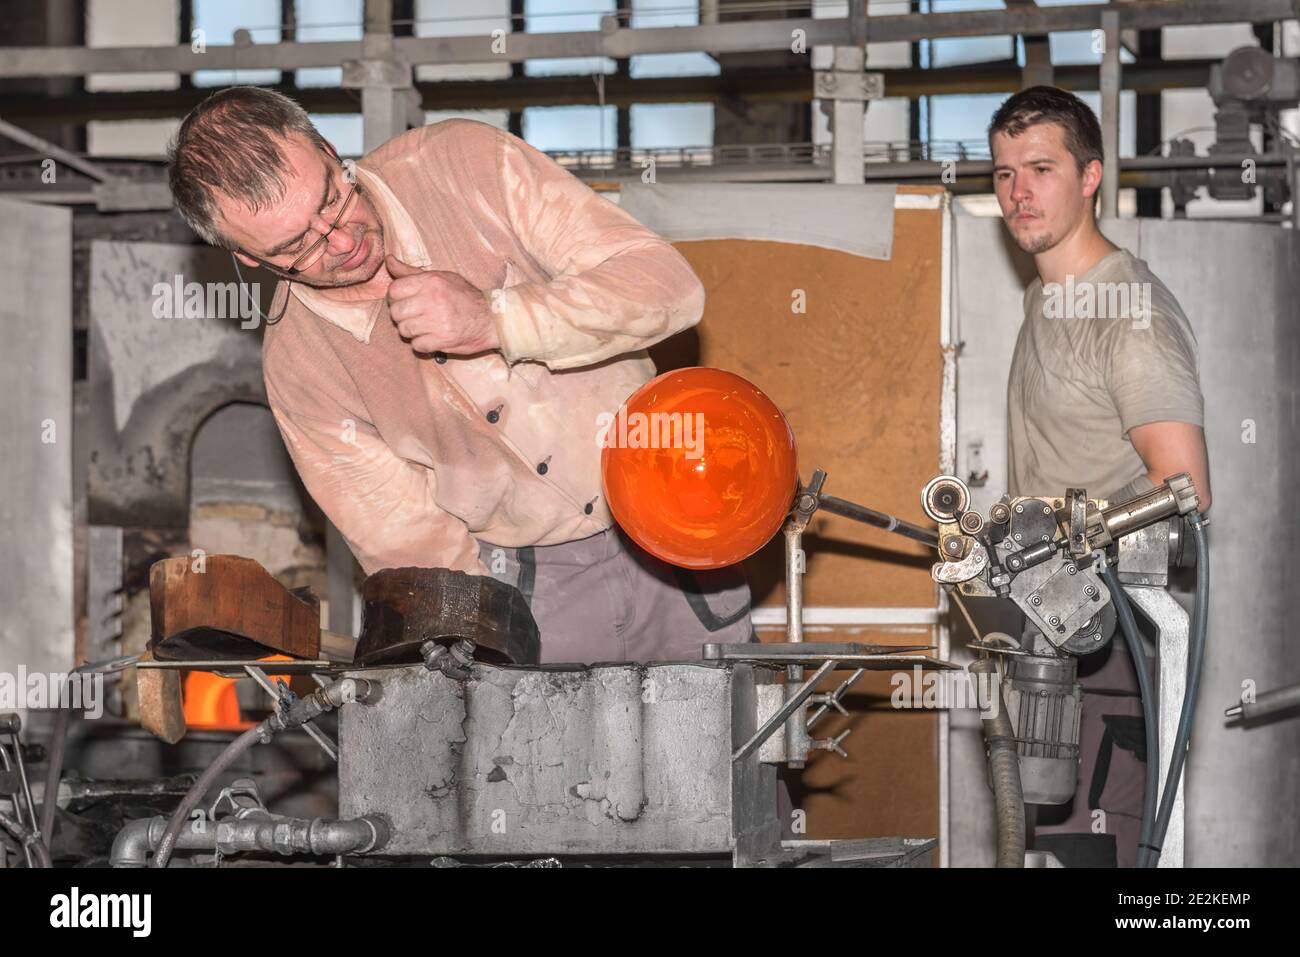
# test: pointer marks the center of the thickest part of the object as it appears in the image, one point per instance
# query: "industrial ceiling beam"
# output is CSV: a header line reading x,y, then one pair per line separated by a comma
x,y
615,42
1134,15
757,84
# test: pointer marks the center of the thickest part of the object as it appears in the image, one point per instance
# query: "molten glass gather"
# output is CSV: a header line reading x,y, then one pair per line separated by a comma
x,y
699,468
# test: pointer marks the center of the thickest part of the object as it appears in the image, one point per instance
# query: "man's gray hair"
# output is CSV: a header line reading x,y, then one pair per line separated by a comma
x,y
231,144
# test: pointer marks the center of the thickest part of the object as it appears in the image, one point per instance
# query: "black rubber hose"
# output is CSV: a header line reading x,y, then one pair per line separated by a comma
x,y
1195,659
163,853
1151,720
1004,768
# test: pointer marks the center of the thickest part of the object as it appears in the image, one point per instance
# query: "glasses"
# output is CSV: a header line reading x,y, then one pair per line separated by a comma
x,y
313,253
309,256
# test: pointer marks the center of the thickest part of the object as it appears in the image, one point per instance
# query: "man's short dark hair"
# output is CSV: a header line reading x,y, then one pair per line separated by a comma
x,y
230,143
1047,104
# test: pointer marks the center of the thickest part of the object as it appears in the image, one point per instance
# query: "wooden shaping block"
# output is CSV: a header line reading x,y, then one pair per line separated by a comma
x,y
405,607
232,609
161,710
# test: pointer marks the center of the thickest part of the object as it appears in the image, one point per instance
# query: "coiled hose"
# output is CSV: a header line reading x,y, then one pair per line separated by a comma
x,y
1004,769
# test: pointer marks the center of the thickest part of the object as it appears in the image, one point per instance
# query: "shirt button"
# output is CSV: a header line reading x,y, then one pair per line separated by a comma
x,y
440,357
542,469
494,416
588,508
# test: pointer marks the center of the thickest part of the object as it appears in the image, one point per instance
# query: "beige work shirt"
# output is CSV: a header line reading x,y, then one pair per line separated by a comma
x,y
1096,356
413,457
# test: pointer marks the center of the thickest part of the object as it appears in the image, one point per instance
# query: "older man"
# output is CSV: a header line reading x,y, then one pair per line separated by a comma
x,y
456,314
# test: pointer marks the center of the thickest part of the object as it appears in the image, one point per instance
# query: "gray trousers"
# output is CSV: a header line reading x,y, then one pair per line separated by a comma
x,y
603,599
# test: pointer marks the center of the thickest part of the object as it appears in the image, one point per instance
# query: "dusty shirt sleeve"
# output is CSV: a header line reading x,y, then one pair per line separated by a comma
x,y
382,504
616,286
1150,372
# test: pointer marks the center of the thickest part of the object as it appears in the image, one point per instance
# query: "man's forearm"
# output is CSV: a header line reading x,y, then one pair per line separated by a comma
x,y
1168,448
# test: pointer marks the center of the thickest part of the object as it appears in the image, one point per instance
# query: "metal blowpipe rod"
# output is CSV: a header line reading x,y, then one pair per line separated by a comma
x,y
869,516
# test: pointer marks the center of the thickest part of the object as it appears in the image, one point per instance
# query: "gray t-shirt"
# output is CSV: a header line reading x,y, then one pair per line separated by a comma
x,y
1096,356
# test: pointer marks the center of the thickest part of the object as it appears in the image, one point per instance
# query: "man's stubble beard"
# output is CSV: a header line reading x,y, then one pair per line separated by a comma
x,y
377,240
1031,244
1034,245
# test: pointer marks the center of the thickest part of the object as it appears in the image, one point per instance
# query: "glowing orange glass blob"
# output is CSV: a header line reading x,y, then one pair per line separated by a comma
x,y
699,468
212,704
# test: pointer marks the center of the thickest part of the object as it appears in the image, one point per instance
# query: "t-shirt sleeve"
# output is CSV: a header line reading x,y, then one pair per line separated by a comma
x,y
1150,372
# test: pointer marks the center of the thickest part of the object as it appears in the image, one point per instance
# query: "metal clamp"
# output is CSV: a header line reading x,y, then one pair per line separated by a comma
x,y
832,699
284,699
847,85
833,744
454,662
954,573
1076,504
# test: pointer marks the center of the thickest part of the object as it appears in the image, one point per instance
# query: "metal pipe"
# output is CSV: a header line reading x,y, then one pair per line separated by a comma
x,y
793,582
168,840
15,828
618,43
332,696
1175,496
1128,517
796,731
1110,87
33,849
136,840
792,704
46,148
11,724
22,777
1004,774
869,516
257,831
54,771
1270,702
263,680
1293,180
760,84
932,169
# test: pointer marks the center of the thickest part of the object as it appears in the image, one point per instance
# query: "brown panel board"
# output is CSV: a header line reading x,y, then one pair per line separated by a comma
x,y
859,375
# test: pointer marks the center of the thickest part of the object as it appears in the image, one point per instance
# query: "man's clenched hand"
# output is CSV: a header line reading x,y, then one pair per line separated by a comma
x,y
439,311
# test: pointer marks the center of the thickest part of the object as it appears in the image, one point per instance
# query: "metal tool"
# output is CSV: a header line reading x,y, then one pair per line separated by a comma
x,y
284,699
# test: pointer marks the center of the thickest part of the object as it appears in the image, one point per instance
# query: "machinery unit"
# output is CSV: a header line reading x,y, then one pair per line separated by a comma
x,y
455,745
